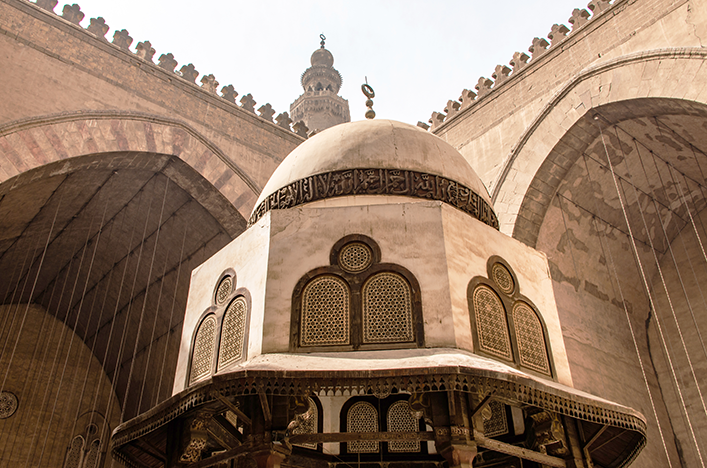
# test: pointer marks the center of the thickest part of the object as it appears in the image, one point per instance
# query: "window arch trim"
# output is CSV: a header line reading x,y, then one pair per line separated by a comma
x,y
218,310
382,407
356,282
509,302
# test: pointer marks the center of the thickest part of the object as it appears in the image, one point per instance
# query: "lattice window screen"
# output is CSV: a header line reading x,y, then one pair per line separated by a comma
x,y
325,312
74,456
387,309
503,278
203,353
233,332
355,257
491,322
530,338
400,419
362,417
93,455
223,290
308,425
497,423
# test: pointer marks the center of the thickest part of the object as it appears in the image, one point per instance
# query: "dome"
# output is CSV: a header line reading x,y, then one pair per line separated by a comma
x,y
322,57
377,148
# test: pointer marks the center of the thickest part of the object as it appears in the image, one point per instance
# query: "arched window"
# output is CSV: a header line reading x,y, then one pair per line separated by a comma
x,y
203,351
233,332
93,455
491,323
530,337
74,457
387,309
325,312
362,417
505,324
495,420
357,302
309,423
400,419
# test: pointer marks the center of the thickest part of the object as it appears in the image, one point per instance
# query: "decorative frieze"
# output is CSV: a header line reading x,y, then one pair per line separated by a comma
x,y
378,182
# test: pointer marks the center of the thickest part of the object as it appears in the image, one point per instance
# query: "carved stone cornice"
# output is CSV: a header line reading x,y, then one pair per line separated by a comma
x,y
372,181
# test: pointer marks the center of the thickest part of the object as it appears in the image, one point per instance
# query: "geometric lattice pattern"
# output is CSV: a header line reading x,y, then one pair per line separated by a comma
x,y
8,404
530,338
503,278
497,423
325,312
93,455
202,356
400,419
387,309
223,290
362,417
75,455
308,424
491,323
355,257
232,333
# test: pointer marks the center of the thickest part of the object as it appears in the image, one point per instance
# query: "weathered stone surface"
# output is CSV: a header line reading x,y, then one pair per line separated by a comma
x,y
519,60
145,50
48,5
467,98
229,93
209,83
300,129
189,73
436,119
578,18
284,120
98,27
500,74
266,111
248,103
598,6
538,47
557,33
122,39
452,108
167,62
72,13
483,87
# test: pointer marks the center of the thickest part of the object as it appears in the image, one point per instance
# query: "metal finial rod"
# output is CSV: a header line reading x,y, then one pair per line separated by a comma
x,y
370,94
323,38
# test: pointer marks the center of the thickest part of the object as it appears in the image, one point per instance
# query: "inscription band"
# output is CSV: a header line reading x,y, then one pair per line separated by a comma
x,y
378,182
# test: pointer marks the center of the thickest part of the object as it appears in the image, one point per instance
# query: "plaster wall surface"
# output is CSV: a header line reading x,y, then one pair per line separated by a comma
x,y
442,247
248,256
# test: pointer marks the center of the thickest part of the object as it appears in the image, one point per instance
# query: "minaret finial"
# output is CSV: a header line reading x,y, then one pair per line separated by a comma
x,y
323,38
370,94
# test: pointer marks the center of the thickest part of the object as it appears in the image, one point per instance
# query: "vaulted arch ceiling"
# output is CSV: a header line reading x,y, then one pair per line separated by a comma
x,y
106,244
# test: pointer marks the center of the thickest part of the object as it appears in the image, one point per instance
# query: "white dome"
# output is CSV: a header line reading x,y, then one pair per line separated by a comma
x,y
374,144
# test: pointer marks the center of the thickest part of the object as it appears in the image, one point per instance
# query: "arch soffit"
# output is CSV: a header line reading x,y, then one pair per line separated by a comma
x,y
32,143
671,74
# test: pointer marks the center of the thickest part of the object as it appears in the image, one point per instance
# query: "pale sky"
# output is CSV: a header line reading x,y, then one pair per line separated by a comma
x,y
416,54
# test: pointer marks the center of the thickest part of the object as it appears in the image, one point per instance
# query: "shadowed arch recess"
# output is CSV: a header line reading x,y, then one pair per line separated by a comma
x,y
106,244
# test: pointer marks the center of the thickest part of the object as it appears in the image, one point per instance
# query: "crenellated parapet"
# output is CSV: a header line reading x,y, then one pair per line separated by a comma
x,y
145,52
520,61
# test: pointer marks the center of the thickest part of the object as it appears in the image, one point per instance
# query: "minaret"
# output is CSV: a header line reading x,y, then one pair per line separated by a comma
x,y
320,107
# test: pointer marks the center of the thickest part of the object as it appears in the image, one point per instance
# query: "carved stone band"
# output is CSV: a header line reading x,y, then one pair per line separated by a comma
x,y
378,182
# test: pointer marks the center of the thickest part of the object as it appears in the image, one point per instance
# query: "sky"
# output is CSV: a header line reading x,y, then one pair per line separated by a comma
x,y
415,54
